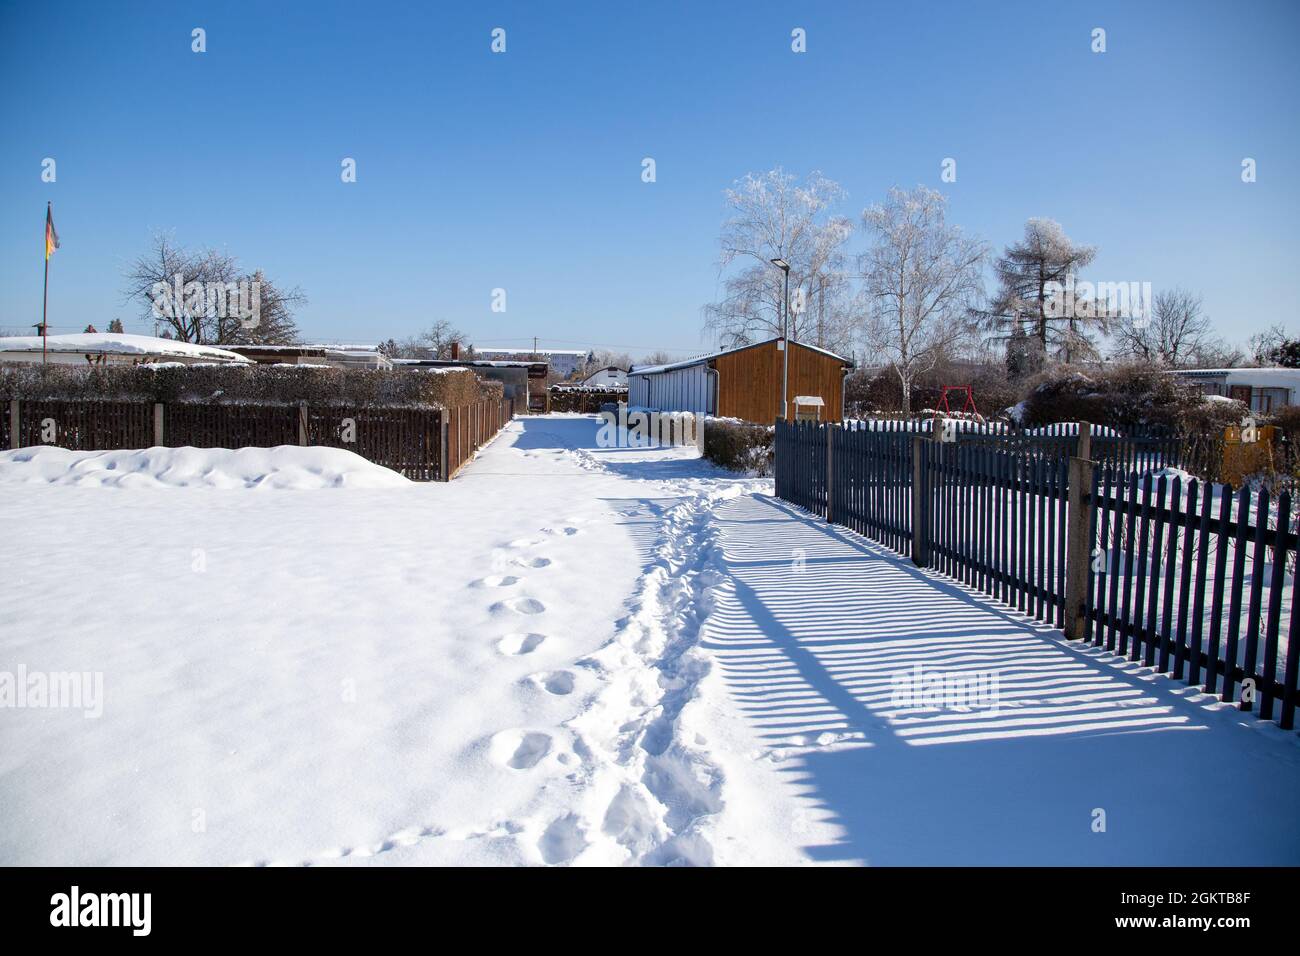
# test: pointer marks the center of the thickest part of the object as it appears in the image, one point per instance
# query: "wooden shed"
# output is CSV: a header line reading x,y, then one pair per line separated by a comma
x,y
743,382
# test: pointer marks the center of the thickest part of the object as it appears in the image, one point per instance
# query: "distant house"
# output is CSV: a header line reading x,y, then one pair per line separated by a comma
x,y
744,382
564,362
334,356
1262,389
611,376
110,348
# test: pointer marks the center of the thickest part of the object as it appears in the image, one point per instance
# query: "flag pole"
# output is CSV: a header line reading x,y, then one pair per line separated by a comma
x,y
45,295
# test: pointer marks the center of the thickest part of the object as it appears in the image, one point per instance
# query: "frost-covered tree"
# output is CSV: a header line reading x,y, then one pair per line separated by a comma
x,y
1027,273
775,215
921,277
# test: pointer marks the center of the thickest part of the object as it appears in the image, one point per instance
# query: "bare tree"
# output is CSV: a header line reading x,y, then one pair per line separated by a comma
x,y
1170,335
921,276
433,343
202,297
273,323
1027,272
1269,346
775,216
653,359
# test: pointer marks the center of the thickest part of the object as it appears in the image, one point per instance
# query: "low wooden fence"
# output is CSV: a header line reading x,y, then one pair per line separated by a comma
x,y
469,427
424,444
1191,579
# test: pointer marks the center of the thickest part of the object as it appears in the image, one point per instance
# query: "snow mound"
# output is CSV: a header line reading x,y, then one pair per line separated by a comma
x,y
285,466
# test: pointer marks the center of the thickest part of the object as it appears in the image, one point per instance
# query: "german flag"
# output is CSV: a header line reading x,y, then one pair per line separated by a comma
x,y
51,237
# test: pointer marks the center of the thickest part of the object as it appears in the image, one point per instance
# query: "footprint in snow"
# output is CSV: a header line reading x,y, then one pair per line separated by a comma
x,y
496,581
512,645
519,749
518,605
562,841
533,562
566,531
559,683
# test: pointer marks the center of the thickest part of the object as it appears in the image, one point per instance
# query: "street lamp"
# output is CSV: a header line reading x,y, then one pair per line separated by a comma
x,y
785,340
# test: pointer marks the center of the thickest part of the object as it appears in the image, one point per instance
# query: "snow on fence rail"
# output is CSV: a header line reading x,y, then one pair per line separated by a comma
x,y
1189,578
424,444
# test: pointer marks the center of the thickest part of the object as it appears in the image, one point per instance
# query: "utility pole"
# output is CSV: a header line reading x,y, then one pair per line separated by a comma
x,y
785,338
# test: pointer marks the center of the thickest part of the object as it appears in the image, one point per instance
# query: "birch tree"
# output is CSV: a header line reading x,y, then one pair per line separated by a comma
x,y
921,276
774,215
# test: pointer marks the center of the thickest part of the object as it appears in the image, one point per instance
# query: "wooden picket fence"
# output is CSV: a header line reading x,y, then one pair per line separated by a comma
x,y
1194,580
469,427
424,444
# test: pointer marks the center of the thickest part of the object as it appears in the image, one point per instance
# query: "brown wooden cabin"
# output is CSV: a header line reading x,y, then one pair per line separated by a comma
x,y
744,382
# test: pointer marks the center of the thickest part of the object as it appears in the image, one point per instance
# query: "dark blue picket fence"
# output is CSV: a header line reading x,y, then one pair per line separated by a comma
x,y
1191,579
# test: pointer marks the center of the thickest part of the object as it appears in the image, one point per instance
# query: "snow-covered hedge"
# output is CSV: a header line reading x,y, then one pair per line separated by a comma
x,y
740,446
1123,396
259,384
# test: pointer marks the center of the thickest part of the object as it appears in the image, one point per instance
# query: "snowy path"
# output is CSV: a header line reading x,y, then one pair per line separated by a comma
x,y
567,655
832,770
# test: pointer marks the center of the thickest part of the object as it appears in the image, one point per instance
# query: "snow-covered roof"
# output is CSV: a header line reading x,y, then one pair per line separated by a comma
x,y
700,359
1287,378
123,343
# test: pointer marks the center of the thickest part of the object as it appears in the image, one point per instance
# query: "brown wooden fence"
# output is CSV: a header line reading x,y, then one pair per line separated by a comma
x,y
81,426
424,444
471,426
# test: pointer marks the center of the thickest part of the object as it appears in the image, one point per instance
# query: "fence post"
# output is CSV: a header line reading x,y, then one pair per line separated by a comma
x,y
830,491
919,542
158,435
1078,558
444,454
1084,449
302,423
13,424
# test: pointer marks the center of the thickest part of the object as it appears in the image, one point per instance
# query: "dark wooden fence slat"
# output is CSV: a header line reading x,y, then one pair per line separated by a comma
x,y
1272,623
1239,546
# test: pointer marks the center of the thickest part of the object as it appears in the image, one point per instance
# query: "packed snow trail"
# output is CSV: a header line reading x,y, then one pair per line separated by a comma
x,y
1078,758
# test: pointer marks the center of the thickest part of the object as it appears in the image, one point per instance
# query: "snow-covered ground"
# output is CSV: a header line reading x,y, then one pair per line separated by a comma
x,y
567,655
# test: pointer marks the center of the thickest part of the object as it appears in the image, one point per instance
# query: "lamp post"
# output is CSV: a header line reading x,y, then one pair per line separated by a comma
x,y
785,338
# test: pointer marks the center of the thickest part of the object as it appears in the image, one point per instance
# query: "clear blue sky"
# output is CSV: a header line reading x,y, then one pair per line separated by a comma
x,y
522,170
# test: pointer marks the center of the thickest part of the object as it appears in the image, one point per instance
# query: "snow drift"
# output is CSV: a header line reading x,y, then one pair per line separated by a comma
x,y
285,466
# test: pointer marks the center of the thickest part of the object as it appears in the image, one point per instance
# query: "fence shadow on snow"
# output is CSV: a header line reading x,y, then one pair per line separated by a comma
x,y
810,641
